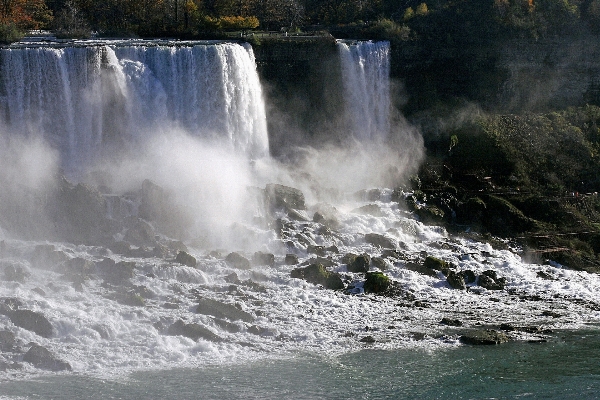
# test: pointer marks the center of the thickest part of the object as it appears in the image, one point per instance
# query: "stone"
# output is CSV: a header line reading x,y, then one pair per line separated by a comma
x,y
359,263
381,241
291,259
284,197
435,263
369,209
116,273
15,272
7,341
484,337
40,357
238,261
421,269
222,310
141,234
32,321
187,259
318,275
260,258
456,280
376,282
192,331
451,322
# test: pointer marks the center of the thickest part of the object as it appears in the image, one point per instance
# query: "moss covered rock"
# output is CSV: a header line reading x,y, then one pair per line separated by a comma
x,y
317,274
376,282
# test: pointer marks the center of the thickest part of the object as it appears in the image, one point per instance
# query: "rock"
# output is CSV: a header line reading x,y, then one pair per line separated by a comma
x,y
291,259
379,263
192,331
141,234
368,339
79,266
456,281
451,322
238,261
116,273
158,205
41,357
490,280
421,269
45,256
32,321
232,278
318,275
7,341
327,215
185,258
318,250
359,263
381,241
376,282
260,258
469,276
120,247
435,263
487,337
222,310
15,272
284,197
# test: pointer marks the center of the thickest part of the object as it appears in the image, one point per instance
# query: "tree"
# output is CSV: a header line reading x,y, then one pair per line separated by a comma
x,y
25,14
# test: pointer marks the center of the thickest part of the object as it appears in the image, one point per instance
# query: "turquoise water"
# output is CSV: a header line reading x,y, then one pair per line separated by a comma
x,y
566,367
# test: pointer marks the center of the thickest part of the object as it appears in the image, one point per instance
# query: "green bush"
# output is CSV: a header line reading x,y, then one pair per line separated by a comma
x,y
9,33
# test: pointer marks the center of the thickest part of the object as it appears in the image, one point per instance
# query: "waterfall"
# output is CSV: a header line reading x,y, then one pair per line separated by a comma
x,y
83,99
365,73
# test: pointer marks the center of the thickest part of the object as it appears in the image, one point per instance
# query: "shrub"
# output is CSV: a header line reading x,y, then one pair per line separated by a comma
x,y
9,33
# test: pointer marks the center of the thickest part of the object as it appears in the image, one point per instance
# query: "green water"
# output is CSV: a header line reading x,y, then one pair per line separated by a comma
x,y
566,367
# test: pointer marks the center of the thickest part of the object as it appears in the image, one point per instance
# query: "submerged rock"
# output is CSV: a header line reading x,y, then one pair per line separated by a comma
x,y
222,310
284,197
260,258
456,280
317,274
192,331
41,357
484,337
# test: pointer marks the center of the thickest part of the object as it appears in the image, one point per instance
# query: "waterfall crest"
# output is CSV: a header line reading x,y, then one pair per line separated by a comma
x,y
365,75
82,99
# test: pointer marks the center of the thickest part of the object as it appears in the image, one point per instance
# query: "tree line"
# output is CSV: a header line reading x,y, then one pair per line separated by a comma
x,y
195,18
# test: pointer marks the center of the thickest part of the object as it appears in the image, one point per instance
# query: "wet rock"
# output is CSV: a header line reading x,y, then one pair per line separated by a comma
x,y
120,247
318,250
291,259
376,282
379,263
78,266
260,258
236,260
141,234
469,276
484,337
116,273
435,263
367,339
490,280
381,241
456,281
284,197
185,258
40,357
451,322
232,278
15,272
7,341
192,331
32,321
318,275
421,269
9,304
158,205
358,263
222,310
327,215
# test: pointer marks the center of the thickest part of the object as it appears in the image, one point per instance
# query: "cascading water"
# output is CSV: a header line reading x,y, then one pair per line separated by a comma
x,y
82,99
365,73
130,296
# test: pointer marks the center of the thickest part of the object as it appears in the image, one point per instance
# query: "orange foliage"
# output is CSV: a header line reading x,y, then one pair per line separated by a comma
x,y
25,14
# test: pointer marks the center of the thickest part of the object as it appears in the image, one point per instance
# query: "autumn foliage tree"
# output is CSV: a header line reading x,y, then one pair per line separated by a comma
x,y
25,14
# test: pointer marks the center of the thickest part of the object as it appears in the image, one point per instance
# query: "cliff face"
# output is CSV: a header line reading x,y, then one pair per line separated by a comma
x,y
501,76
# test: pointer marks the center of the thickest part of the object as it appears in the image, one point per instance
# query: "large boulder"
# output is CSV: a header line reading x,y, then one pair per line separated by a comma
x,y
116,272
41,357
186,259
358,263
280,197
317,274
222,310
140,233
456,280
32,321
261,258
